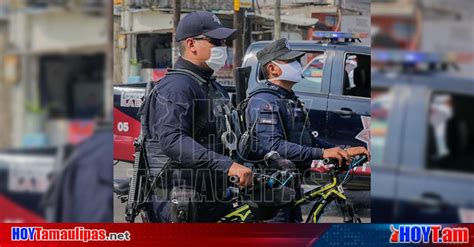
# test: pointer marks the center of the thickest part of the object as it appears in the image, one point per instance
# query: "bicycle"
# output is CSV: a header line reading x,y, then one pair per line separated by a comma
x,y
323,195
244,208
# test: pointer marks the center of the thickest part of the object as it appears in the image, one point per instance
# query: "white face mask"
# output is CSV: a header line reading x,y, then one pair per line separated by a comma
x,y
440,114
218,58
289,71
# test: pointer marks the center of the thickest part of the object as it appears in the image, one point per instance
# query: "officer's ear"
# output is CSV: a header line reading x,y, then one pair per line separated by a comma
x,y
273,70
190,45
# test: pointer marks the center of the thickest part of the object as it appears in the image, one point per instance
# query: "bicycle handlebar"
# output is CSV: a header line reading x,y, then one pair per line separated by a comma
x,y
268,180
335,162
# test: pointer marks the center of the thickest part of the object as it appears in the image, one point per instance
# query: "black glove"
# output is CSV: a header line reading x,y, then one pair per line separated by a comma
x,y
274,160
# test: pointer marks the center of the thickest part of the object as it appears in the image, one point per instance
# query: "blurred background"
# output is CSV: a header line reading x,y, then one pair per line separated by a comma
x,y
144,29
55,93
422,128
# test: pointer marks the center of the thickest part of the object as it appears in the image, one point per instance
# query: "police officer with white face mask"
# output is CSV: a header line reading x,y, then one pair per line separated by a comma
x,y
280,120
185,122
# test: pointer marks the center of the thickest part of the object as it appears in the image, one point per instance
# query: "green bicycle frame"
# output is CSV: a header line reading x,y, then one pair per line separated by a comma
x,y
322,195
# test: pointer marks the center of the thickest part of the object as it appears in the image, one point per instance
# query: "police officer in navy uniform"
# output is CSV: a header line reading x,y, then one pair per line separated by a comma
x,y
280,120
185,120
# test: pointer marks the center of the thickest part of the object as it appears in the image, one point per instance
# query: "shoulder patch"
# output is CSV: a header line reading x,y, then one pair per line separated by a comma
x,y
267,107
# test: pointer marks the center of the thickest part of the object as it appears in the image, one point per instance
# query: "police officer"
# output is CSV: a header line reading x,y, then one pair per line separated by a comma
x,y
185,120
80,191
280,119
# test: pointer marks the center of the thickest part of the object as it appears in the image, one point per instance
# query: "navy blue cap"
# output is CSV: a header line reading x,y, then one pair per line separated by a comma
x,y
277,50
203,22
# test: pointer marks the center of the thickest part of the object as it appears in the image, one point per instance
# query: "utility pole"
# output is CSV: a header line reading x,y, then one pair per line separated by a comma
x,y
277,26
126,26
337,28
248,28
108,97
238,42
176,5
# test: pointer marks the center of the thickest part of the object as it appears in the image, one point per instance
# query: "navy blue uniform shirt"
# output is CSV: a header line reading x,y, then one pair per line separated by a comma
x,y
281,125
175,107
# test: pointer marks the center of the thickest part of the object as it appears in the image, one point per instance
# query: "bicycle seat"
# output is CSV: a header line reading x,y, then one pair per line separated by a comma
x,y
121,186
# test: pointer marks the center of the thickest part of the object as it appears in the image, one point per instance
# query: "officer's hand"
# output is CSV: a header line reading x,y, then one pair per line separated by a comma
x,y
244,173
336,153
358,151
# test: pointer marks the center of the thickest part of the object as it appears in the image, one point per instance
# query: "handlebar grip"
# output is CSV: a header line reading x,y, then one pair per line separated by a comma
x,y
361,157
328,161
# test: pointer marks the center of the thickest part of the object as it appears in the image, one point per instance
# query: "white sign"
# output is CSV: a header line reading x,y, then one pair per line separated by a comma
x,y
357,24
450,36
447,36
131,99
27,174
362,6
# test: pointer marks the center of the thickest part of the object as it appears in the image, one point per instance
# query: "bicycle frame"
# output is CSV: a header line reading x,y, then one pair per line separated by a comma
x,y
240,214
322,195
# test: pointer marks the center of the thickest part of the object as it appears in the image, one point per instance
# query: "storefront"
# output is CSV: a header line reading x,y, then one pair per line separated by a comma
x,y
60,82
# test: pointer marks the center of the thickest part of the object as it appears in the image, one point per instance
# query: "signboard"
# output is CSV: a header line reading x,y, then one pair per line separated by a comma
x,y
362,6
242,4
357,24
27,174
450,36
11,68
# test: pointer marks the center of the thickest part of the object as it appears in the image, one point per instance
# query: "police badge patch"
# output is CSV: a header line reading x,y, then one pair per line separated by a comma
x,y
216,19
287,44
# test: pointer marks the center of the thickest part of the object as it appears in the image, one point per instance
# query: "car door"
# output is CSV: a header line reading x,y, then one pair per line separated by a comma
x,y
436,175
348,119
388,109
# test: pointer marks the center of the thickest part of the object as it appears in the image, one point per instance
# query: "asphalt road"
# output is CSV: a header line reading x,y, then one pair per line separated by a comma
x,y
360,199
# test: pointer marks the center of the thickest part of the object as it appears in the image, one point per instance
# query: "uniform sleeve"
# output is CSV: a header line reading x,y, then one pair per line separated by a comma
x,y
323,144
268,117
173,129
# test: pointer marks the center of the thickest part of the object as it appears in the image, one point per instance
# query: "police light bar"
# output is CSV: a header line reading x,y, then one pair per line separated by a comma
x,y
399,56
338,35
396,56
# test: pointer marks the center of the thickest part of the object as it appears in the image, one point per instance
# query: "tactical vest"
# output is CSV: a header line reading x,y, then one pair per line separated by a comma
x,y
203,128
295,117
299,129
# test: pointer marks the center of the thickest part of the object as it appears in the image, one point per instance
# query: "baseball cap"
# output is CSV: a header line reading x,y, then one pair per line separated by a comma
x,y
277,50
203,22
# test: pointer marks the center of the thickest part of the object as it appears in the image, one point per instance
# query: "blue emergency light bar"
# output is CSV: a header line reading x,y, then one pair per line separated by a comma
x,y
338,35
397,56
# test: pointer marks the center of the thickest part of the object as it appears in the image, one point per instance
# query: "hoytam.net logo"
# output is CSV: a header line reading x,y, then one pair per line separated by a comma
x,y
429,234
73,234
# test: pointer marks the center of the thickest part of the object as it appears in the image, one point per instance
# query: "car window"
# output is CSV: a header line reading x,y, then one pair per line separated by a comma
x,y
356,75
450,133
381,105
313,64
